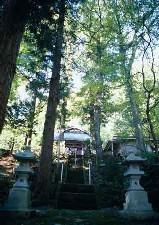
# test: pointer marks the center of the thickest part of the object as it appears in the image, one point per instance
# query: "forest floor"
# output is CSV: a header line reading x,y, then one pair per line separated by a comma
x,y
73,217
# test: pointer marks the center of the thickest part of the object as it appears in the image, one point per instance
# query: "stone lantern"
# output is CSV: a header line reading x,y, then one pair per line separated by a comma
x,y
20,196
136,199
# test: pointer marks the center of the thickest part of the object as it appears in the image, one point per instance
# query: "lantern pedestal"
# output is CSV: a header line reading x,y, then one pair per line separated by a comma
x,y
136,200
19,199
19,196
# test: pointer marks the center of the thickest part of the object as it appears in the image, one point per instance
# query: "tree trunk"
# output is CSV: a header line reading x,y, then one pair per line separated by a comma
x,y
97,123
92,132
26,139
135,113
63,114
97,106
44,177
12,25
152,132
95,117
11,146
31,119
126,68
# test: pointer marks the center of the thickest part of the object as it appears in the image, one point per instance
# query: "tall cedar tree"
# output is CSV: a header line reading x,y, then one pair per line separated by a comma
x,y
14,15
12,23
44,176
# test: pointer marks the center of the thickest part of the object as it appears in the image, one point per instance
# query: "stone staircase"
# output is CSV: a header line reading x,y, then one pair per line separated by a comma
x,y
75,176
77,197
74,194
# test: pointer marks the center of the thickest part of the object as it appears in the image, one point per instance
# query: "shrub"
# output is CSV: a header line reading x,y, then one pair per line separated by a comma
x,y
110,184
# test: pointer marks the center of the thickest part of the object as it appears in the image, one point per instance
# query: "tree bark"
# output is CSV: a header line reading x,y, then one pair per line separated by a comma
x,y
97,107
135,113
95,117
151,126
126,68
12,143
12,25
63,114
92,132
44,176
31,120
127,59
97,139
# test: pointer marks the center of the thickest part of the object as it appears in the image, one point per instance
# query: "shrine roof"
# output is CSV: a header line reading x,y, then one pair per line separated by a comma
x,y
72,134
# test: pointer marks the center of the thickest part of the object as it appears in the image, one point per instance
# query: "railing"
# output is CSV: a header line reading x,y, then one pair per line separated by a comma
x,y
89,171
61,175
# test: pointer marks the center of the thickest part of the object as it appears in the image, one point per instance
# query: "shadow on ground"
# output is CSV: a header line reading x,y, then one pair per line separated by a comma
x,y
73,217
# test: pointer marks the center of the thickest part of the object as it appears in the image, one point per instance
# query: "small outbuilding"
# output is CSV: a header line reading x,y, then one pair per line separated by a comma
x,y
122,146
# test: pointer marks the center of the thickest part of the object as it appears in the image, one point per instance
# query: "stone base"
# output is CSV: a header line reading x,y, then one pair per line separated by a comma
x,y
137,200
137,206
138,215
19,200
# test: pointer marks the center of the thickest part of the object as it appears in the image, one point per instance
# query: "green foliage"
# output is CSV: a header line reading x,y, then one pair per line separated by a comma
x,y
95,32
15,85
112,37
151,157
150,180
110,184
17,115
24,108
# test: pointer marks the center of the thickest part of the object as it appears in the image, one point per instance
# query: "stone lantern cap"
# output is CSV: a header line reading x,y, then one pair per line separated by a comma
x,y
23,169
25,155
134,162
133,171
133,159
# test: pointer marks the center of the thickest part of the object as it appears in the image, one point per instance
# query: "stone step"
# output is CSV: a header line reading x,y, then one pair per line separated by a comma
x,y
75,206
76,196
77,201
77,188
75,175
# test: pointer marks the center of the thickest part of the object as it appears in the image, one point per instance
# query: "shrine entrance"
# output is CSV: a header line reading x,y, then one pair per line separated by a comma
x,y
74,190
72,144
